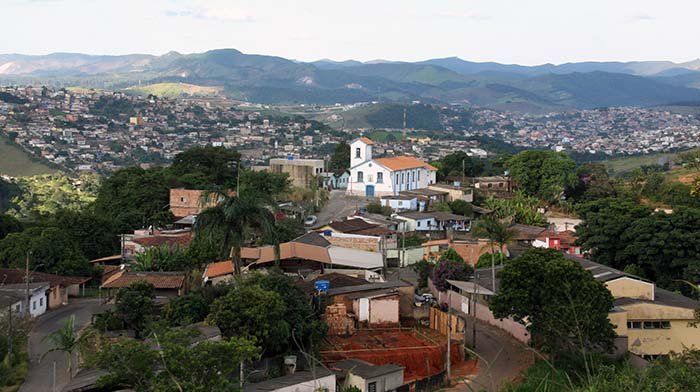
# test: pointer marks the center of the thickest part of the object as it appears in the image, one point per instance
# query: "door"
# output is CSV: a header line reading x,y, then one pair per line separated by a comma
x,y
369,190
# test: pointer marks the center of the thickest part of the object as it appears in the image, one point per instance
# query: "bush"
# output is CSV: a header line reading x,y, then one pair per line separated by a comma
x,y
485,260
376,208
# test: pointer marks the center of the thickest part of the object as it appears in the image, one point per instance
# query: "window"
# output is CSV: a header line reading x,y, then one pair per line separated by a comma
x,y
360,176
372,387
380,178
33,305
17,308
182,200
418,175
657,325
403,179
397,178
418,224
41,302
413,176
357,153
634,325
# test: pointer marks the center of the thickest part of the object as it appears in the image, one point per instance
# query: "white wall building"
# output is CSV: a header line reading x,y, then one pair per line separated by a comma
x,y
385,176
38,300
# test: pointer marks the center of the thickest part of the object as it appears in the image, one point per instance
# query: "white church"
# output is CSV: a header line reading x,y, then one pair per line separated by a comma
x,y
385,176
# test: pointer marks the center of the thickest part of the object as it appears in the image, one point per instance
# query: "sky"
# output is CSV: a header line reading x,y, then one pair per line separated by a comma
x,y
525,32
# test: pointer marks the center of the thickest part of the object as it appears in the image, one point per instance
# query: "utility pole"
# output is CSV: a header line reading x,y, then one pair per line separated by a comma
x,y
449,333
9,332
238,177
463,182
26,280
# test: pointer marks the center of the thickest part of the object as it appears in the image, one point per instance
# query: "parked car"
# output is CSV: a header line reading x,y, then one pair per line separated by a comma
x,y
310,220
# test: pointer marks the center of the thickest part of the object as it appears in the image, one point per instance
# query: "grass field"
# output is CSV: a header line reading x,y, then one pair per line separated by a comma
x,y
17,163
172,90
627,164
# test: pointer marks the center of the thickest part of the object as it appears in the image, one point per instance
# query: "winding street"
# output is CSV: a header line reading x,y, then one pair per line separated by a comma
x,y
40,376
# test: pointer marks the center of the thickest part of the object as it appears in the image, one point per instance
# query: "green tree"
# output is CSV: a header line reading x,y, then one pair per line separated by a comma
x,y
232,218
497,234
605,221
285,230
341,157
134,305
66,339
563,306
251,312
485,260
544,174
266,184
162,258
376,208
205,167
461,207
518,209
188,309
9,224
50,250
424,269
452,165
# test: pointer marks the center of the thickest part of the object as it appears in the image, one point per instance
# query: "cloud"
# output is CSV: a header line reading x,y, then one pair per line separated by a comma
x,y
219,14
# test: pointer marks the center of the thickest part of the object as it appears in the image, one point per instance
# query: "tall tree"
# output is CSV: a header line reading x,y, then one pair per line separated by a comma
x,y
205,167
498,234
563,306
233,217
459,163
341,157
450,266
545,174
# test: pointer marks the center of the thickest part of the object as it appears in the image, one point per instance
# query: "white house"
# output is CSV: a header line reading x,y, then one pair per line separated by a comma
x,y
385,176
368,377
434,221
400,203
299,381
38,299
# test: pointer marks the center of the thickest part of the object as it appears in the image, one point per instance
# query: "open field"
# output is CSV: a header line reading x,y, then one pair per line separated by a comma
x,y
627,164
172,90
18,163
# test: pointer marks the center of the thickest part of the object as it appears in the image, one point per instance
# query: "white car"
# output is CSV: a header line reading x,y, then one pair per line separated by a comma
x,y
310,220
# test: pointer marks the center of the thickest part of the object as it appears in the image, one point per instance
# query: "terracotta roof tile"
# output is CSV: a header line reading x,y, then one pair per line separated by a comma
x,y
158,240
366,140
403,162
16,275
220,268
160,280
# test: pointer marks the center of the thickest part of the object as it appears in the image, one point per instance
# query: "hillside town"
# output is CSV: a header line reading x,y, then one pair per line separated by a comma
x,y
398,290
101,131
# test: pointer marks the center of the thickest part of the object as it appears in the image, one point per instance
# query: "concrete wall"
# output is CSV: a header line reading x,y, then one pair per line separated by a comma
x,y
301,172
387,382
37,303
184,202
324,383
58,296
384,310
630,288
409,257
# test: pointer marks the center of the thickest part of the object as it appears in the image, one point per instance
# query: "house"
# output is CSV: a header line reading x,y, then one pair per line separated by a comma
x,y
312,252
387,306
525,235
648,320
564,241
493,184
166,284
60,286
426,197
186,202
435,221
454,192
302,172
400,203
319,380
141,240
219,272
367,377
385,176
469,249
38,299
339,179
10,302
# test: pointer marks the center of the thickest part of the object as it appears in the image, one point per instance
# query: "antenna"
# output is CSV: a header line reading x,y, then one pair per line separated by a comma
x,y
404,119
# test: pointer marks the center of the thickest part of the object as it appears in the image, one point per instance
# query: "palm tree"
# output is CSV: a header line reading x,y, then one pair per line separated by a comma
x,y
229,220
66,339
497,233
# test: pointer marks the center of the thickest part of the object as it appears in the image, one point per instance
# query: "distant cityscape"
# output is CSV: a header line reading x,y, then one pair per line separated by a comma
x,y
94,130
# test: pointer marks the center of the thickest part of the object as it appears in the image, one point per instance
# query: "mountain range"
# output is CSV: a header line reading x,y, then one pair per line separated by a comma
x,y
271,79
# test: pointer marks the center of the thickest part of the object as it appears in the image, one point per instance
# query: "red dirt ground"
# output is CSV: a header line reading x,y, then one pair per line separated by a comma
x,y
420,352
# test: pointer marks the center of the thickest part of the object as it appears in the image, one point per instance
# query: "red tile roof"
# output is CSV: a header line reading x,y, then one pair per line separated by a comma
x,y
366,140
16,275
220,268
159,280
403,163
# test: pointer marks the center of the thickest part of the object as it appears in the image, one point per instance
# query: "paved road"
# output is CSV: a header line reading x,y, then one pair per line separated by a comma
x,y
40,377
339,206
502,358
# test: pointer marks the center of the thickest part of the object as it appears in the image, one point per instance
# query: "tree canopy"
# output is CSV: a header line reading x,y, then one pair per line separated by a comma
x,y
206,167
544,174
451,165
341,157
563,306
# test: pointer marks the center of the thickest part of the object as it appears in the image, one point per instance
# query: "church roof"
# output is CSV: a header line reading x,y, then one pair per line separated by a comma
x,y
403,163
366,140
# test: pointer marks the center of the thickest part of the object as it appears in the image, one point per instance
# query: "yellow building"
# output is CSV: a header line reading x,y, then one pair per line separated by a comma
x,y
653,320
